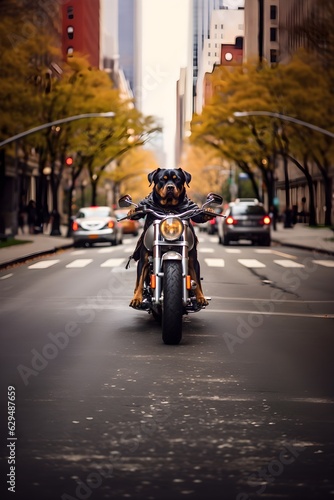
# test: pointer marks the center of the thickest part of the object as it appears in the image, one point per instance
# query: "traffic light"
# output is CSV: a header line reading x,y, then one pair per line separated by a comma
x,y
69,161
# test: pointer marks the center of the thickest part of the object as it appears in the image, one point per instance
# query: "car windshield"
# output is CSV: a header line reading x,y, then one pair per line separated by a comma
x,y
94,212
244,209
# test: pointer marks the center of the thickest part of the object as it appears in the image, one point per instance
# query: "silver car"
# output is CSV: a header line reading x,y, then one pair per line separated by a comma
x,y
96,224
245,220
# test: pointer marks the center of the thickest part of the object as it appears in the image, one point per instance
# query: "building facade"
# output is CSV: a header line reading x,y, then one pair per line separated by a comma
x,y
81,29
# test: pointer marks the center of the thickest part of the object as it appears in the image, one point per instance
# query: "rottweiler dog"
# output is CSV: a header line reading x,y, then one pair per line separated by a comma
x,y
169,195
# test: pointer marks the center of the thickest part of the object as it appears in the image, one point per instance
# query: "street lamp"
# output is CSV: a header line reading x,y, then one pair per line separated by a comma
x,y
239,114
109,114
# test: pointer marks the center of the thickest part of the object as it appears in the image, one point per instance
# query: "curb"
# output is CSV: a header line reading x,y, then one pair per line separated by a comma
x,y
304,247
20,260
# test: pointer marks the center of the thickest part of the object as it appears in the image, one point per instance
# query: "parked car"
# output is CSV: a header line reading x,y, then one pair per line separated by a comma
x,y
246,219
128,226
96,224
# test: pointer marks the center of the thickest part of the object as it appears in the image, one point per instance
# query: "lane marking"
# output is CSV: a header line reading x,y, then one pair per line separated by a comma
x,y
43,264
276,252
78,252
215,262
112,263
6,276
106,250
264,313
79,263
288,263
251,263
325,263
205,250
232,250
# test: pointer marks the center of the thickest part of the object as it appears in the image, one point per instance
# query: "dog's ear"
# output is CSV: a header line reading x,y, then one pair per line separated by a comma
x,y
151,175
187,176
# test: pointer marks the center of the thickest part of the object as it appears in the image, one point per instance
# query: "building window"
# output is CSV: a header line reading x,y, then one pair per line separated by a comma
x,y
273,56
70,51
209,45
273,34
209,54
70,32
273,12
221,26
216,26
70,14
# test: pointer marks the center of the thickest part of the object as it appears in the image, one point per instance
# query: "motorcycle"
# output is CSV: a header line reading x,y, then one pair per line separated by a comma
x,y
168,292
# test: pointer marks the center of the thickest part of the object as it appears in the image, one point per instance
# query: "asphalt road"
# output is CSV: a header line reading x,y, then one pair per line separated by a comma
x,y
242,408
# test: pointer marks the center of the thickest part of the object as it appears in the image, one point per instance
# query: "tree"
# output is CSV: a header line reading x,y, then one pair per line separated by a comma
x,y
254,142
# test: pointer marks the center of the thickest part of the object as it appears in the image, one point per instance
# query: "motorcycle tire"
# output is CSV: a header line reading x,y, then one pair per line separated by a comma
x,y
172,309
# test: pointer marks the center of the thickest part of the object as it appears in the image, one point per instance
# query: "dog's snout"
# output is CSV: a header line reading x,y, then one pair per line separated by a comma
x,y
170,187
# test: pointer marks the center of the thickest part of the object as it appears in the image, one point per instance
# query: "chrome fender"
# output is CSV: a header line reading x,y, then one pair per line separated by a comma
x,y
172,256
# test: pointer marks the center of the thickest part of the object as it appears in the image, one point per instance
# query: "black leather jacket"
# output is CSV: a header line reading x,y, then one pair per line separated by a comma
x,y
185,205
149,202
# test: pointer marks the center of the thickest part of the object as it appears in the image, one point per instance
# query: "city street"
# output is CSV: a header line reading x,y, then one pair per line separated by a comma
x,y
241,409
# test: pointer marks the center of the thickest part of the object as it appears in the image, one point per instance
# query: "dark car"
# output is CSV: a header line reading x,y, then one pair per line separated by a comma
x,y
245,220
96,224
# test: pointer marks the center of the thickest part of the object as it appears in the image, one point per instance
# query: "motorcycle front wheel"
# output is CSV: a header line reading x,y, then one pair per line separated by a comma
x,y
172,308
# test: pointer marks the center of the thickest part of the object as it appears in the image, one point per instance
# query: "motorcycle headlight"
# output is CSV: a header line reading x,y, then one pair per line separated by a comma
x,y
171,228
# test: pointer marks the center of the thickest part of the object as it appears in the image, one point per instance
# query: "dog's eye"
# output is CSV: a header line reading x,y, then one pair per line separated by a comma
x,y
174,176
165,177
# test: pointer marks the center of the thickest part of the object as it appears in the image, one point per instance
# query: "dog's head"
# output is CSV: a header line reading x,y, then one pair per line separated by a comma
x,y
169,185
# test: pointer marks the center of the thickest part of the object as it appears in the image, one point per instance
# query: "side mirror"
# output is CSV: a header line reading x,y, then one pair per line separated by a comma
x,y
125,201
213,199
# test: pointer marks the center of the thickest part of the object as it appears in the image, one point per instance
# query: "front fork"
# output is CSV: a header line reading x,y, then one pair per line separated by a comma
x,y
159,257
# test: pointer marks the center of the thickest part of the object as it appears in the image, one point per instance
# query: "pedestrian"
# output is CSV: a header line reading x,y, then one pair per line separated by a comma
x,y
31,216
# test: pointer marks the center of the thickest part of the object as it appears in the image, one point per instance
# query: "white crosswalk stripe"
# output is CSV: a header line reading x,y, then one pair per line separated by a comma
x,y
215,262
232,250
106,250
206,250
325,263
251,263
288,263
43,264
275,252
78,263
112,263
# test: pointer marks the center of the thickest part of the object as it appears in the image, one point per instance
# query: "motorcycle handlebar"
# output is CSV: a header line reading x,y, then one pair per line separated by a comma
x,y
185,215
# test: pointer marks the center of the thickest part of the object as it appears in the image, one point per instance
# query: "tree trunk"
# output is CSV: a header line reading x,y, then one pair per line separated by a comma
x,y
94,191
328,200
55,216
286,182
312,212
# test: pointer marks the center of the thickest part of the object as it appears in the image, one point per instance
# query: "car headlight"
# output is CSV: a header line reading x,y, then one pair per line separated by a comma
x,y
171,228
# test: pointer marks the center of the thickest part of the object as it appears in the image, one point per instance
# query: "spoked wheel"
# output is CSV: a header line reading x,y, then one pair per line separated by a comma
x,y
172,309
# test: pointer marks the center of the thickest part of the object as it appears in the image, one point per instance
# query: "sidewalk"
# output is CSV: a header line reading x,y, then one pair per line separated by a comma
x,y
38,244
300,236
303,236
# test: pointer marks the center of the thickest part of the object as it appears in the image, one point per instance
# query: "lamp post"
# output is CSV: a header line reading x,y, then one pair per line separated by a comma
x,y
240,114
109,114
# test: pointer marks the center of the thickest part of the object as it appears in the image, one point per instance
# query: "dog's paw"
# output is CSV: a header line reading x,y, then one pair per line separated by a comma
x,y
201,300
131,212
136,302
